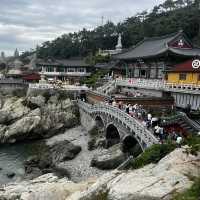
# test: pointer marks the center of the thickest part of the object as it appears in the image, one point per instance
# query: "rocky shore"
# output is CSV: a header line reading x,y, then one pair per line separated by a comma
x,y
47,172
49,158
152,182
36,117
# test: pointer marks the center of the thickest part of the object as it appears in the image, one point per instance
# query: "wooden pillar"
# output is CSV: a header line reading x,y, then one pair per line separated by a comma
x,y
156,69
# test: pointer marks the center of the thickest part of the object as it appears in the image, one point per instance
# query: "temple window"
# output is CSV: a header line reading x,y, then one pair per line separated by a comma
x,y
143,73
61,69
160,73
182,76
50,69
81,70
71,70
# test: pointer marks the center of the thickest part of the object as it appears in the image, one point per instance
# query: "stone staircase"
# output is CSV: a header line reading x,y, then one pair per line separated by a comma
x,y
191,126
107,88
187,124
197,121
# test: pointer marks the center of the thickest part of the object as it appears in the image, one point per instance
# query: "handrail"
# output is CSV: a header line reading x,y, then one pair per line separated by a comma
x,y
172,119
129,121
158,85
50,86
181,116
190,122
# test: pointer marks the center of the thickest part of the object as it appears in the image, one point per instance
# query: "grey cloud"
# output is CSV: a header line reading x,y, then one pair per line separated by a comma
x,y
25,23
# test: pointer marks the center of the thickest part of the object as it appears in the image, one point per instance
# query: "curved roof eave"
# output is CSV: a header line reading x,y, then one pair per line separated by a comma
x,y
144,57
186,52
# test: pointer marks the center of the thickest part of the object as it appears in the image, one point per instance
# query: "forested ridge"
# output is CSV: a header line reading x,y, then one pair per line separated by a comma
x,y
169,17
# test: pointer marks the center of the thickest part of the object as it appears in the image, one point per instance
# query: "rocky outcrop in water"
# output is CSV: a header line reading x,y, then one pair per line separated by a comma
x,y
152,182
49,158
35,117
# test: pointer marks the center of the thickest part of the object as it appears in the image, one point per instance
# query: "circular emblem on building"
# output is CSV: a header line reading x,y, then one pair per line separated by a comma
x,y
196,64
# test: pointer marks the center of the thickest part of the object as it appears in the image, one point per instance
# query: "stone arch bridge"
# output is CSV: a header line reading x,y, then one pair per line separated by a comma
x,y
116,124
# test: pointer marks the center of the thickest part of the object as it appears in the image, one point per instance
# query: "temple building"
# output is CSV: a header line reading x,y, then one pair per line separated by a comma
x,y
152,57
187,73
69,70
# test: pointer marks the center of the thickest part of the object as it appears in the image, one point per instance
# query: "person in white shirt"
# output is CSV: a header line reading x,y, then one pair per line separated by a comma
x,y
149,117
114,104
153,121
179,140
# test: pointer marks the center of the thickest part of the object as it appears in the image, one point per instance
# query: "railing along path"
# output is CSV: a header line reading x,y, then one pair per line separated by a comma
x,y
159,85
129,122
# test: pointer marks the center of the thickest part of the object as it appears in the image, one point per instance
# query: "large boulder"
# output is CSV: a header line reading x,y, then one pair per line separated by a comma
x,y
152,182
46,187
109,158
34,102
13,109
23,128
49,158
63,151
34,118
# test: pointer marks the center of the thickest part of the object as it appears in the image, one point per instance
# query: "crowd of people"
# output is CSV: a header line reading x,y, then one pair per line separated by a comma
x,y
153,123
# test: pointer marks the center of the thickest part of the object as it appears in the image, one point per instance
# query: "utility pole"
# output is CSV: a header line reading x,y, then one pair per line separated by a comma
x,y
102,20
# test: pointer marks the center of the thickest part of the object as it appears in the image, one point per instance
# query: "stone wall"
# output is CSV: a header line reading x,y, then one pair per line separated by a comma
x,y
86,120
94,97
148,102
147,92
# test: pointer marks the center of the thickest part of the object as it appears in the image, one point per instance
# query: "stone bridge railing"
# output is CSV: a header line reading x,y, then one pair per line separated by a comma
x,y
145,137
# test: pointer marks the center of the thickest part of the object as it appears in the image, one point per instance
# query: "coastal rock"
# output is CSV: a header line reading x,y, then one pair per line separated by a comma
x,y
12,110
109,158
32,118
10,174
152,182
50,157
46,187
22,128
3,129
63,151
34,102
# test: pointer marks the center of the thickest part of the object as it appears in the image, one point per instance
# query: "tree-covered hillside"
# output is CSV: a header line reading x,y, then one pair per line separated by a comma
x,y
165,18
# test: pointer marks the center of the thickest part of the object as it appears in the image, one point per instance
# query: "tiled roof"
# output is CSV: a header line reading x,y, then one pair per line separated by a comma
x,y
63,62
33,76
151,47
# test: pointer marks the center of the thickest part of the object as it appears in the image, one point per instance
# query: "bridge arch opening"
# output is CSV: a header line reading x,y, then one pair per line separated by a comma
x,y
99,122
112,135
131,145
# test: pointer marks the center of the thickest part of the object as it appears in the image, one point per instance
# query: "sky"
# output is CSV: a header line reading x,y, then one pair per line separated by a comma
x,y
27,23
